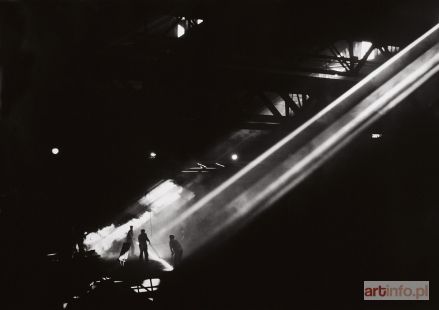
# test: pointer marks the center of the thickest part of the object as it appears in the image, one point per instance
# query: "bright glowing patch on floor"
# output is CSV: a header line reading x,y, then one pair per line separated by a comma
x,y
151,282
180,31
123,258
138,289
154,256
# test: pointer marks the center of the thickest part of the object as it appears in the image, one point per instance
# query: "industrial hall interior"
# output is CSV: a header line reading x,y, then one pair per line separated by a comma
x,y
219,154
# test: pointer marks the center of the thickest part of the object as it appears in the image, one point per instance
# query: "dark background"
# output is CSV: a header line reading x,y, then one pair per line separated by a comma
x,y
368,214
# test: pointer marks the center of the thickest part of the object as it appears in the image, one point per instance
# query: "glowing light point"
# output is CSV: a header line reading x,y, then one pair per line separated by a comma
x,y
376,135
234,157
199,21
55,151
152,155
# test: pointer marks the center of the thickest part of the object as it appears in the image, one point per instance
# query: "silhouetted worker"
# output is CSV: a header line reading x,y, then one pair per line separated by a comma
x,y
176,250
143,246
130,240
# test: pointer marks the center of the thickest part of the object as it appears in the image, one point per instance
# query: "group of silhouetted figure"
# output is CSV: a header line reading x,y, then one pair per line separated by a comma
x,y
128,247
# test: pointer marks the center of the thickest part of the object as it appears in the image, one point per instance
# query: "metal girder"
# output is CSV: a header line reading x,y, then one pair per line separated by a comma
x,y
289,102
363,60
345,62
263,122
351,64
269,104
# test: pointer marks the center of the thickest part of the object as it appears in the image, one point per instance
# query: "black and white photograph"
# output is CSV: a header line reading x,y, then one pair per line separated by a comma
x,y
219,154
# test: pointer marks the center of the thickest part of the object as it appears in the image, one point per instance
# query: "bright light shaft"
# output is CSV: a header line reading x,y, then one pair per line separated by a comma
x,y
293,158
273,186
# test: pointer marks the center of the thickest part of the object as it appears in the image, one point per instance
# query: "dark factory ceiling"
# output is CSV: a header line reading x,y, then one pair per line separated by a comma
x,y
110,81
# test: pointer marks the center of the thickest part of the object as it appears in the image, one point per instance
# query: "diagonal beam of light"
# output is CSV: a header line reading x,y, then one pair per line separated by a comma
x,y
293,158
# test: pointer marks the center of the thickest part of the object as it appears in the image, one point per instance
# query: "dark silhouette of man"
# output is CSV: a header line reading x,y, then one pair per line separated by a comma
x,y
130,240
176,250
143,246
